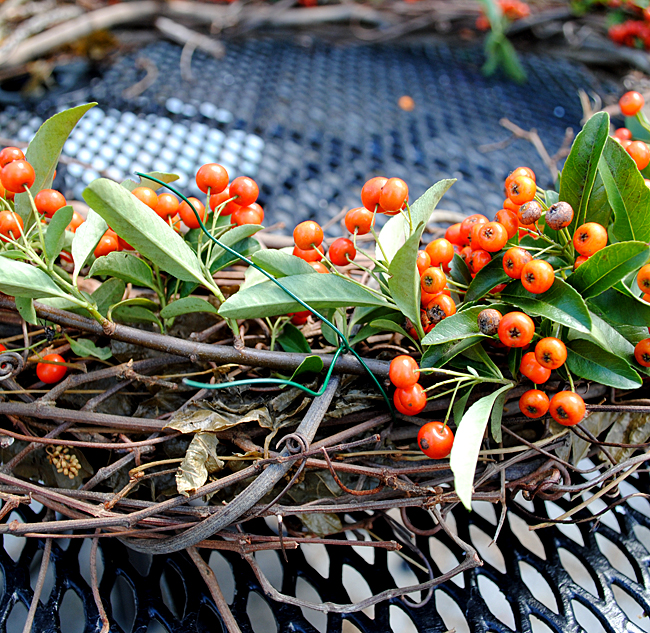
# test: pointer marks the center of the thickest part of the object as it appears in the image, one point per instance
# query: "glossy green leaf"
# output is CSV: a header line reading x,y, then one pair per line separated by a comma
x,y
627,193
599,209
478,354
54,237
142,302
486,278
44,151
126,266
136,314
187,305
246,247
18,279
86,239
141,227
398,229
467,443
460,403
591,362
496,416
608,266
561,304
383,325
311,364
456,326
620,308
362,334
606,336
13,254
85,347
404,280
281,264
438,355
130,185
292,340
267,299
108,294
581,166
25,307
232,237
458,270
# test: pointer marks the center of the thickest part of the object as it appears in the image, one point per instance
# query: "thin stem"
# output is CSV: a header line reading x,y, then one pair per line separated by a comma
x,y
451,404
381,248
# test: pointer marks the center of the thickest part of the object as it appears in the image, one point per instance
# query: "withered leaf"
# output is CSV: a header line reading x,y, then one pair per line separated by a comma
x,y
200,460
202,420
321,524
578,448
627,428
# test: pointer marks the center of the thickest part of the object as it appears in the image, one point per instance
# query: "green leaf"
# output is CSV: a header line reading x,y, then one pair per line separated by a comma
x,y
187,306
456,326
292,340
85,347
621,308
281,264
54,238
486,278
108,294
26,310
141,227
404,280
383,325
397,230
364,332
467,443
86,239
581,166
608,266
18,279
477,353
599,209
458,270
461,403
311,364
126,266
627,193
561,304
44,151
607,337
267,299
438,355
134,301
14,254
514,360
496,416
591,362
232,237
136,314
246,247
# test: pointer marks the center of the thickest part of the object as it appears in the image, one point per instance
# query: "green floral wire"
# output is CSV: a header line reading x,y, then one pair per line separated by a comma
x,y
343,342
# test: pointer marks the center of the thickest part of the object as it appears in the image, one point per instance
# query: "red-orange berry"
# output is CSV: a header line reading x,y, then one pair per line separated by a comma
x,y
514,261
342,251
509,220
49,201
537,276
516,329
410,400
534,403
435,440
422,262
393,194
187,214
311,254
530,368
567,408
550,352
10,154
589,238
640,154
630,103
245,190
433,280
492,237
307,235
371,191
521,190
17,176
478,260
147,196
642,352
440,251
359,220
212,177
403,371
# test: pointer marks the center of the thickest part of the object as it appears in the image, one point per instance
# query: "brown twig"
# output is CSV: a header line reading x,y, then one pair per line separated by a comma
x,y
40,581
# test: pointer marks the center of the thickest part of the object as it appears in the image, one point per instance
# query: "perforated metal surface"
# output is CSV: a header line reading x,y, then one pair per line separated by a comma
x,y
590,577
312,123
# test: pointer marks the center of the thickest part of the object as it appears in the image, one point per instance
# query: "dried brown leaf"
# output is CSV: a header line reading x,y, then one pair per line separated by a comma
x,y
200,460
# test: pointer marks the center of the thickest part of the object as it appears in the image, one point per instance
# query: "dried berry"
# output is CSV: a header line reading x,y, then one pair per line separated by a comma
x,y
530,212
559,215
488,321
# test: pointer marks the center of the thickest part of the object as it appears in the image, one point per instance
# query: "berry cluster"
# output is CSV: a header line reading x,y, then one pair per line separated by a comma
x,y
511,9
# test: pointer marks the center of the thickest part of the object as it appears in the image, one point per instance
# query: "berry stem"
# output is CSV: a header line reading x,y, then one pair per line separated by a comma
x,y
381,248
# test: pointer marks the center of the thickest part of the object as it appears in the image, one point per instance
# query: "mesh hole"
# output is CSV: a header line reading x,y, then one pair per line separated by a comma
x,y
260,614
615,556
450,612
269,563
402,574
357,588
643,534
632,608
14,545
348,627
598,505
524,503
305,591
223,571
156,626
140,561
496,601
486,510
208,621
84,561
445,560
528,538
578,572
538,586
17,617
640,504
123,604
317,557
570,531
367,553
538,626
400,621
71,613
487,550
586,618
173,592
34,569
